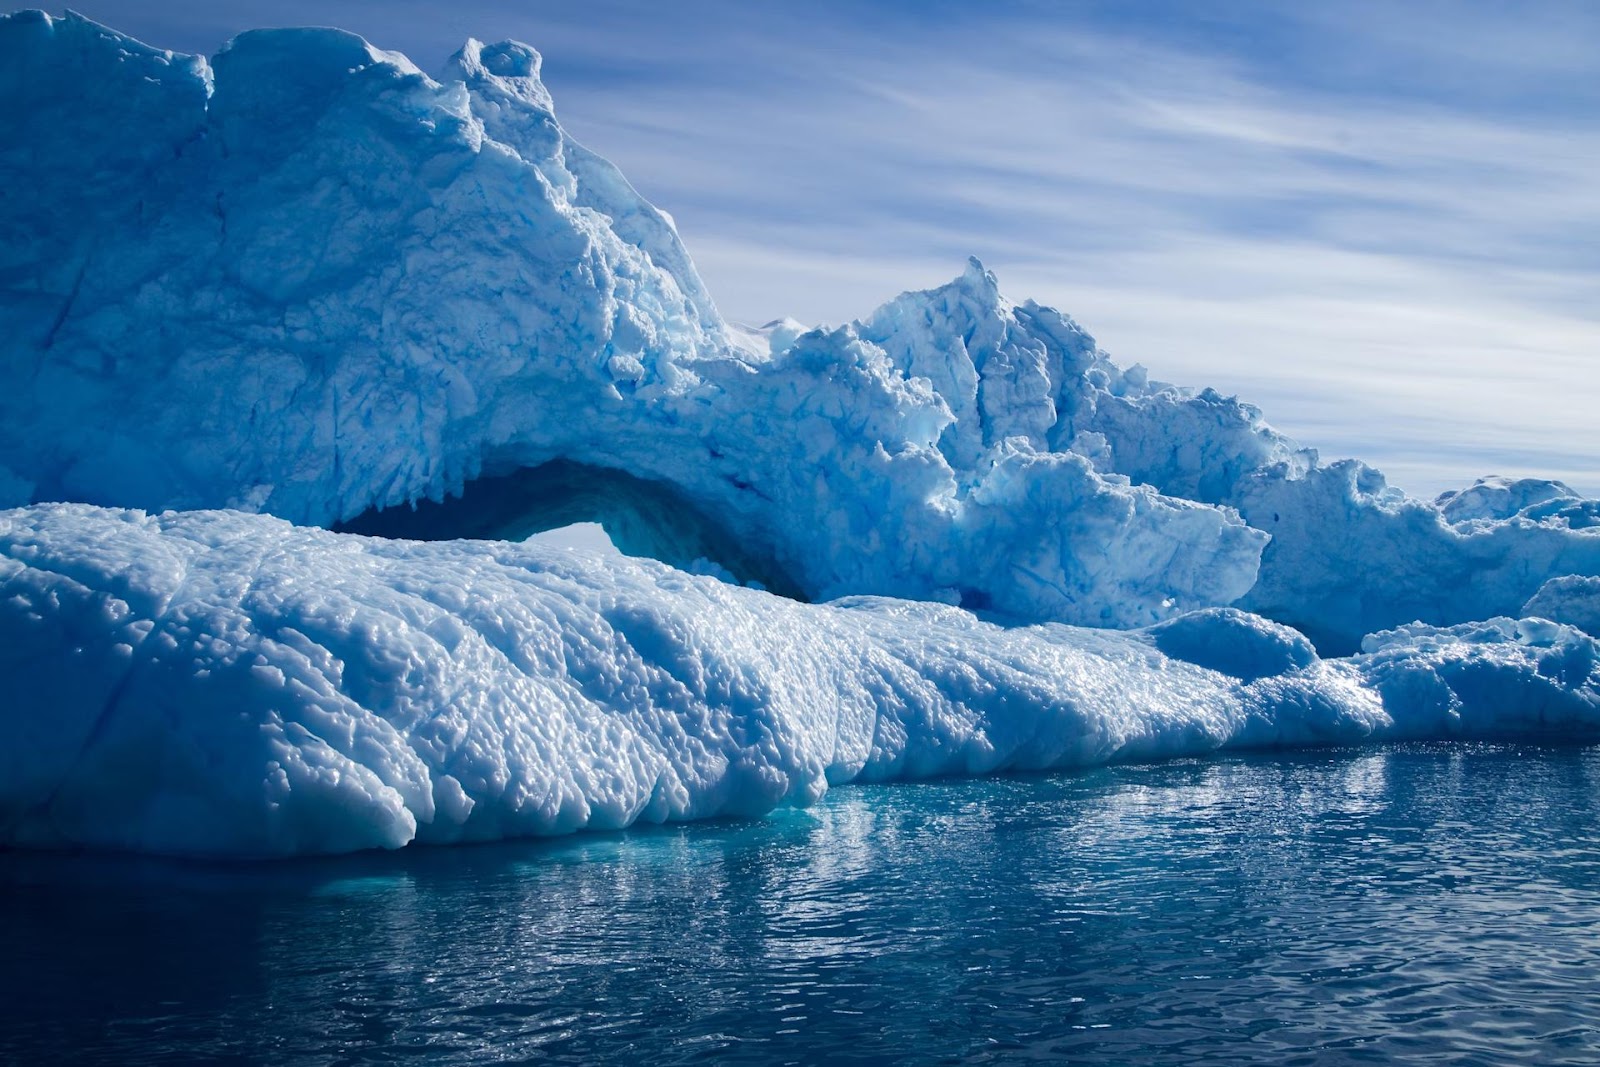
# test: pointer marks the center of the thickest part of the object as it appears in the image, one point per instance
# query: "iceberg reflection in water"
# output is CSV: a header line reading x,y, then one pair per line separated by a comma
x,y
1406,904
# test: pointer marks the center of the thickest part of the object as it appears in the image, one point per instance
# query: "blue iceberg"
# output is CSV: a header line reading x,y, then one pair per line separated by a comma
x,y
312,340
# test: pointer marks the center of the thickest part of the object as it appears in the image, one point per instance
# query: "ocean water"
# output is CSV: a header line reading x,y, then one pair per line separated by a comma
x,y
1429,904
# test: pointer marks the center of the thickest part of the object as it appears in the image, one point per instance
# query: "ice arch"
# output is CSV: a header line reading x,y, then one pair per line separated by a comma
x,y
642,517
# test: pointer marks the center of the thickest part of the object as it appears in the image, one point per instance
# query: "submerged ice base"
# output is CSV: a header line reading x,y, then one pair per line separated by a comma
x,y
222,684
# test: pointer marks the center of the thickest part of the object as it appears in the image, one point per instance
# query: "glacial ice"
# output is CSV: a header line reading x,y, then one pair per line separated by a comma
x,y
220,683
305,281
1571,599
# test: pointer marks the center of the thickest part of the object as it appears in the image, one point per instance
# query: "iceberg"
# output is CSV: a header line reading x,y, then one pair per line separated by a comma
x,y
311,340
371,287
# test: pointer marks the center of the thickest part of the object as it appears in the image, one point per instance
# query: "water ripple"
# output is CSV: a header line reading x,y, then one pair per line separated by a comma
x,y
1429,904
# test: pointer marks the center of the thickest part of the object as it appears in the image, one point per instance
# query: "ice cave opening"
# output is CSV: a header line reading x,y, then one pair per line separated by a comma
x,y
640,517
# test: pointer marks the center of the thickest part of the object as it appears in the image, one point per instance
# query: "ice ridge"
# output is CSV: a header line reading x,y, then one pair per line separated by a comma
x,y
226,684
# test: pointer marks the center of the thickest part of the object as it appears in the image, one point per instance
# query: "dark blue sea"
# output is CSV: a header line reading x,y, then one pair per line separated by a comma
x,y
1431,904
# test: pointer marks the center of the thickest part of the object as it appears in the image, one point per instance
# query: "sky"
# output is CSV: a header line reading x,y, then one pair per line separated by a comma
x,y
1378,222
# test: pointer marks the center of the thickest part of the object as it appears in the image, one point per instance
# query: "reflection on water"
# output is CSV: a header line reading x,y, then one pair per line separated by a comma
x,y
1427,904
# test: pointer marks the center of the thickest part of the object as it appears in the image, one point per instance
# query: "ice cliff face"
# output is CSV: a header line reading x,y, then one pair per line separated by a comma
x,y
307,277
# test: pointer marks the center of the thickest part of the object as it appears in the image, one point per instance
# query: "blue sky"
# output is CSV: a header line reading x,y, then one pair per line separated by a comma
x,y
1380,222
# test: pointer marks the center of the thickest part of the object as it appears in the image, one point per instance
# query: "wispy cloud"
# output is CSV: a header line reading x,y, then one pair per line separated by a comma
x,y
1379,222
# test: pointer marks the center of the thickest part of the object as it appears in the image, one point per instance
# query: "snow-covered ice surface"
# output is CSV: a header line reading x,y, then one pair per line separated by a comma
x,y
221,683
306,280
